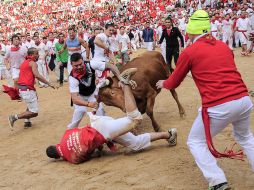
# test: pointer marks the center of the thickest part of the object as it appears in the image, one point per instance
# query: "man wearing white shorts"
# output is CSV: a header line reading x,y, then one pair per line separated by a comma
x,y
14,56
27,91
104,129
82,89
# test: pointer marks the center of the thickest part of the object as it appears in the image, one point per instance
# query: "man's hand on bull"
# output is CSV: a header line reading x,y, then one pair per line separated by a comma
x,y
94,105
159,84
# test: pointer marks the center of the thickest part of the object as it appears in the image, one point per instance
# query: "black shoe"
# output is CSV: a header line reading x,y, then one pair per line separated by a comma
x,y
221,186
27,125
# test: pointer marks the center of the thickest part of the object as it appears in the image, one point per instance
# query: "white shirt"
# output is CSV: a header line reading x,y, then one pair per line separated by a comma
x,y
51,46
124,40
215,26
243,24
29,44
16,57
114,46
227,26
2,50
73,85
227,11
42,48
98,51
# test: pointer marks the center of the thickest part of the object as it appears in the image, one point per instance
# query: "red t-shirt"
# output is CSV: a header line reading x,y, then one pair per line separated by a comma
x,y
212,65
78,144
26,76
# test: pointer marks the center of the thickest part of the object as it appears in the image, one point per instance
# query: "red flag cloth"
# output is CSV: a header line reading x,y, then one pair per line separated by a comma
x,y
12,92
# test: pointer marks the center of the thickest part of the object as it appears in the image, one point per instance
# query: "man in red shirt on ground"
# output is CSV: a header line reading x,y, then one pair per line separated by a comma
x,y
78,144
224,97
28,73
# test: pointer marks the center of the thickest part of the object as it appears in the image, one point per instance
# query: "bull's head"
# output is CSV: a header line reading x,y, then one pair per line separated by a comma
x,y
112,94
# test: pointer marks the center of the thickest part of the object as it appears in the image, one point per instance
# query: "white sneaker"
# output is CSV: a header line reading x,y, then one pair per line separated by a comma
x,y
172,140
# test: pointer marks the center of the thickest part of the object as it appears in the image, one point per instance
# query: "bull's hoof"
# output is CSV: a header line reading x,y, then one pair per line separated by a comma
x,y
182,115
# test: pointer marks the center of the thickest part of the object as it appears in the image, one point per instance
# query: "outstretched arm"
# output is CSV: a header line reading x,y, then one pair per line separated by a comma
x,y
85,45
38,76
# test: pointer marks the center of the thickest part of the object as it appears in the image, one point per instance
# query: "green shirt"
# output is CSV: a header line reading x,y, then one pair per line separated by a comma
x,y
63,57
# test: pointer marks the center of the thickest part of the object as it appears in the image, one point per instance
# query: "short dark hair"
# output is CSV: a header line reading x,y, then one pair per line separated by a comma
x,y
44,38
72,27
122,27
31,51
52,152
170,19
59,34
75,57
14,36
109,25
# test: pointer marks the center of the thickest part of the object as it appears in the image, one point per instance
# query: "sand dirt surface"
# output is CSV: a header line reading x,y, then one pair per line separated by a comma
x,y
24,164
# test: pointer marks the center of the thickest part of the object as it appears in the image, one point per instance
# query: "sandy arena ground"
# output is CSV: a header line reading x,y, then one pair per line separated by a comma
x,y
24,164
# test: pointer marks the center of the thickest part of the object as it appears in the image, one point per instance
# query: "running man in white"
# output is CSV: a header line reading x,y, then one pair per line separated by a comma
x,y
14,56
227,31
215,28
43,52
124,45
242,26
4,73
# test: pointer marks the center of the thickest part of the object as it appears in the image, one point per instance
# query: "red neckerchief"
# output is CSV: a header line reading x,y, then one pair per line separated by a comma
x,y
14,48
79,75
163,27
30,57
52,40
38,44
169,31
0,46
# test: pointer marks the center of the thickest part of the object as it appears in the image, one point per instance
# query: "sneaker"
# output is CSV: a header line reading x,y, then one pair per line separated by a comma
x,y
125,75
221,186
104,83
172,140
27,125
11,120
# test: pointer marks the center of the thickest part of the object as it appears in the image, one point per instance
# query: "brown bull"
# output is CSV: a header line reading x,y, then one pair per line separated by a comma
x,y
151,68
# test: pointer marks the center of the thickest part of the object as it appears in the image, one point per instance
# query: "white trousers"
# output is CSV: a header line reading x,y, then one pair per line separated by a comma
x,y
42,70
4,73
163,50
227,38
108,127
149,46
237,39
80,111
236,112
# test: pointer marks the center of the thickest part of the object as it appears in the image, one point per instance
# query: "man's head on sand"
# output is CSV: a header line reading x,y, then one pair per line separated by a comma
x,y
52,152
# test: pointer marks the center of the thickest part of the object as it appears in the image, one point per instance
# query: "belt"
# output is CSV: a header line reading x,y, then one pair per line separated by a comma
x,y
23,88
